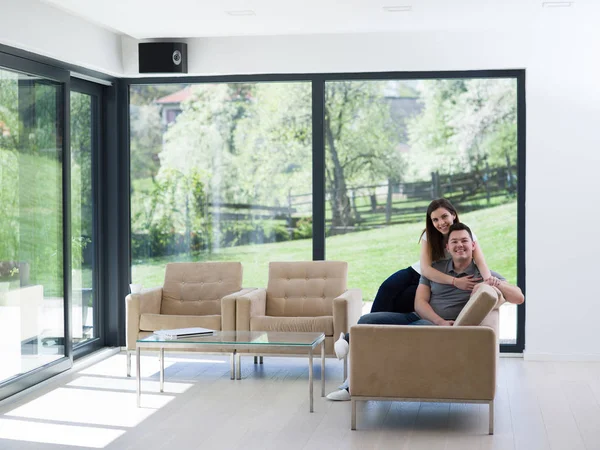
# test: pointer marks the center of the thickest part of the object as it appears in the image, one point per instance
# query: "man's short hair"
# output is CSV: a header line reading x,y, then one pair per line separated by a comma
x,y
459,226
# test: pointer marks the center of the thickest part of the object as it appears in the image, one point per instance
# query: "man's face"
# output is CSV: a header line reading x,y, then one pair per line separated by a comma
x,y
460,246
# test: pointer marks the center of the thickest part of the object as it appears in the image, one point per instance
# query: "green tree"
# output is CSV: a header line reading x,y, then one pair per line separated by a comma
x,y
81,174
203,136
360,139
275,143
146,128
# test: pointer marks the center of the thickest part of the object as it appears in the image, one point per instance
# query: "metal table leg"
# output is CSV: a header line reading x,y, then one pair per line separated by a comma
x,y
323,369
232,361
238,368
138,375
162,369
128,363
310,378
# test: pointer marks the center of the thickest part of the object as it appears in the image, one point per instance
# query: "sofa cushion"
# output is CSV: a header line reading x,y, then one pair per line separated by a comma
x,y
305,288
153,322
197,288
478,307
316,324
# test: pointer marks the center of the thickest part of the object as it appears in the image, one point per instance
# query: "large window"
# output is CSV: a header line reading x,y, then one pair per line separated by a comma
x,y
394,145
220,172
239,171
31,223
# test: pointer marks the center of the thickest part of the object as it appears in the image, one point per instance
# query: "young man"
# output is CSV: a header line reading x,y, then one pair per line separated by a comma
x,y
436,303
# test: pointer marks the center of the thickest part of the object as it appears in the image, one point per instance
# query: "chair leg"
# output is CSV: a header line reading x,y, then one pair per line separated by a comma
x,y
491,430
128,362
353,420
256,360
260,359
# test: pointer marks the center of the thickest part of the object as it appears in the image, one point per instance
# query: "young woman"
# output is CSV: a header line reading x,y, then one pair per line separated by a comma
x,y
397,293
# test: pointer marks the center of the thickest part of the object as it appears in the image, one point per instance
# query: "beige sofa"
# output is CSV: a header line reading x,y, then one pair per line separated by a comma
x,y
426,363
201,294
302,296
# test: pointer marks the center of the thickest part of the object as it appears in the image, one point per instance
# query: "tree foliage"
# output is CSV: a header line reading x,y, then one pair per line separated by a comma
x,y
463,124
250,145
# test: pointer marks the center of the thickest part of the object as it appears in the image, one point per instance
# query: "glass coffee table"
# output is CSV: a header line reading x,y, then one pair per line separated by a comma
x,y
232,342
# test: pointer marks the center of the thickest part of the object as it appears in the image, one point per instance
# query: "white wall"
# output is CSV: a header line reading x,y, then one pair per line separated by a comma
x,y
559,53
563,143
36,27
344,53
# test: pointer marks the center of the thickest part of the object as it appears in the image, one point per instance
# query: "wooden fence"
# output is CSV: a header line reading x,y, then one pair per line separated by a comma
x,y
231,224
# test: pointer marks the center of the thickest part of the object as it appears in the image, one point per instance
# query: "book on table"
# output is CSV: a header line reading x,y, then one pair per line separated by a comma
x,y
184,332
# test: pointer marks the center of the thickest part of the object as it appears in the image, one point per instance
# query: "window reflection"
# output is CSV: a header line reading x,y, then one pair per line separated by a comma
x,y
31,241
82,319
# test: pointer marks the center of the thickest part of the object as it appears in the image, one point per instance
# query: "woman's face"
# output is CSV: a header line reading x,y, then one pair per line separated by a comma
x,y
442,219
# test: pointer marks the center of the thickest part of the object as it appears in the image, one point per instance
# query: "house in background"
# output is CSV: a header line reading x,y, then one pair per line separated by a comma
x,y
170,105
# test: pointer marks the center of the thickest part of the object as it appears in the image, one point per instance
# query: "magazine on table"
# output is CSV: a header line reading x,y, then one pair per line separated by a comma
x,y
184,332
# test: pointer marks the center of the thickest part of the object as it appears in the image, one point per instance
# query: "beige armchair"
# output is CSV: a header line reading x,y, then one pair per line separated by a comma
x,y
201,294
302,296
427,363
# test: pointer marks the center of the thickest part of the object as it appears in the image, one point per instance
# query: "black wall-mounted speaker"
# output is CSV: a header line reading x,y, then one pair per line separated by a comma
x,y
163,57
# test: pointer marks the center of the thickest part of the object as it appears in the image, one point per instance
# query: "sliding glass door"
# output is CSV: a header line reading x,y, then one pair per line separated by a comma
x,y
32,300
85,113
50,140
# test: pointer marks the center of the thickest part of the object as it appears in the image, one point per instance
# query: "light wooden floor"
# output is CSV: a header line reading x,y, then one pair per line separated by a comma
x,y
539,405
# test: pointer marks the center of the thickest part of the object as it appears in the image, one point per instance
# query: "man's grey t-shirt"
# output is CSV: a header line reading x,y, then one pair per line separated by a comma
x,y
447,301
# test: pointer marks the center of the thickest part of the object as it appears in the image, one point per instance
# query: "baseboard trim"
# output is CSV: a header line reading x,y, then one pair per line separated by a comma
x,y
562,357
511,355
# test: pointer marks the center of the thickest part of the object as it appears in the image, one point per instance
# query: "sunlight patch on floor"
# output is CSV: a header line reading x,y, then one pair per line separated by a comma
x,y
48,433
109,408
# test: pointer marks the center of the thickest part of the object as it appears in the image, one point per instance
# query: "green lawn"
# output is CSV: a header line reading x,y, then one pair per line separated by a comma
x,y
372,255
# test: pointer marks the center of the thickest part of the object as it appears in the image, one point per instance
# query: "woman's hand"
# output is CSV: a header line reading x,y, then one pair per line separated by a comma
x,y
466,283
493,281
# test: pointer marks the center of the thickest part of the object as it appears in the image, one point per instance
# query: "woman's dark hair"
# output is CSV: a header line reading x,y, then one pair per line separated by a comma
x,y
434,237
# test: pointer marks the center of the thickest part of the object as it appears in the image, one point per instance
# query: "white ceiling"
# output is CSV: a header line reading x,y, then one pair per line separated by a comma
x,y
145,19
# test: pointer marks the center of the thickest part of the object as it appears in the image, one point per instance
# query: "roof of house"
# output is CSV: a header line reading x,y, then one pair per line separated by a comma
x,y
176,97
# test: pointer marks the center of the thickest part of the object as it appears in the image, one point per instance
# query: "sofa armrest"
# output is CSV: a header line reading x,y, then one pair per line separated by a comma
x,y
347,309
426,362
147,301
253,303
228,308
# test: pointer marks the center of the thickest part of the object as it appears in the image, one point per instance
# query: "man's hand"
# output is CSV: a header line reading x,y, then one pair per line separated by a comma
x,y
445,323
466,283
